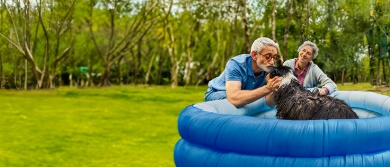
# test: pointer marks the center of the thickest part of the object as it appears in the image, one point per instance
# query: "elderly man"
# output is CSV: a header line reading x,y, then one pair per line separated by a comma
x,y
243,80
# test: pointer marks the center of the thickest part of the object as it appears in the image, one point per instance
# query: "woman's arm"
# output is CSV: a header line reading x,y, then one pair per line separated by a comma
x,y
324,80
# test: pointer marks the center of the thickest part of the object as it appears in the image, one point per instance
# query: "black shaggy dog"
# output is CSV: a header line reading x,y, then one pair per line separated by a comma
x,y
296,103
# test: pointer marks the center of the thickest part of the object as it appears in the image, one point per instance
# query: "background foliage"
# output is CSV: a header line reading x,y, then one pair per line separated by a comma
x,y
49,43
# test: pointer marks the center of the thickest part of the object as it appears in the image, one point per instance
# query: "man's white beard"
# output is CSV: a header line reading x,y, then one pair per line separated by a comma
x,y
265,68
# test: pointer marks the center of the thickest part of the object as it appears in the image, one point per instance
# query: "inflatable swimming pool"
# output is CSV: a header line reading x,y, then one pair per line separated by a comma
x,y
216,133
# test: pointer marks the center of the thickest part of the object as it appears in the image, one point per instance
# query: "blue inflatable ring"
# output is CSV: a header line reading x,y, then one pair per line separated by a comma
x,y
212,138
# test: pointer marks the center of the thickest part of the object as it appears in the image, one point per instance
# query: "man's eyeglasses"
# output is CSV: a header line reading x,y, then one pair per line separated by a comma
x,y
269,56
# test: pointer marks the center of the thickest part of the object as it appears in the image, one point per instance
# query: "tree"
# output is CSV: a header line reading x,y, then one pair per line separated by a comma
x,y
26,15
379,40
126,30
179,42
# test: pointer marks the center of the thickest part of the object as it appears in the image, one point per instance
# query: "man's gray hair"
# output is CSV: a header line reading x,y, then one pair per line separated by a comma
x,y
313,45
260,43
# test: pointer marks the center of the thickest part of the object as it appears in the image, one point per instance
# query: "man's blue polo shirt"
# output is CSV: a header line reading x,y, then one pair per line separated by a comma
x,y
238,68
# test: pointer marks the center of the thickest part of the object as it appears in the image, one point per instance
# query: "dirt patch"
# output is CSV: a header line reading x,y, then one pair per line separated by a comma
x,y
383,89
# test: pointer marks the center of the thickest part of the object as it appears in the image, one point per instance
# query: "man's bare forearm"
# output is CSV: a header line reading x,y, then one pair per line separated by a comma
x,y
243,97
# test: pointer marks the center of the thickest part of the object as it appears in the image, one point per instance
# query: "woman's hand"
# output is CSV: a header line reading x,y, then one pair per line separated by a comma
x,y
323,91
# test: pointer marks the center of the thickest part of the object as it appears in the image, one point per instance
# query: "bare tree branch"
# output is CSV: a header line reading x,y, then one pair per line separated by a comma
x,y
65,52
17,46
47,47
131,33
13,23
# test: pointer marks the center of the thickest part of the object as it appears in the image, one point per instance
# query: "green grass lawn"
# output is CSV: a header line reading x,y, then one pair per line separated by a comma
x,y
365,87
116,126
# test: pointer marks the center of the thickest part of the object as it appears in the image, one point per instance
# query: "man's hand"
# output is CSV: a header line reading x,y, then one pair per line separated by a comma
x,y
273,84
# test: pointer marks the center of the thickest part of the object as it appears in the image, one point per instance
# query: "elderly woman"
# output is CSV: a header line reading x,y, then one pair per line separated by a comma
x,y
309,74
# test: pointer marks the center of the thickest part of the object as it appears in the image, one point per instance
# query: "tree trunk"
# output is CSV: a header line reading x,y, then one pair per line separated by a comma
x,y
138,62
298,15
70,80
25,74
90,67
174,69
371,60
174,73
159,69
388,80
174,62
105,81
51,84
273,25
27,47
342,77
388,65
246,26
135,68
232,40
120,80
188,70
128,69
47,47
307,20
379,79
57,60
1,72
16,74
355,74
170,38
286,29
384,70
2,77
147,75
213,62
108,56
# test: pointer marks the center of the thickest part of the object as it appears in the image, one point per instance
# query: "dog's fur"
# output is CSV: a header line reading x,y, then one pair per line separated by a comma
x,y
297,103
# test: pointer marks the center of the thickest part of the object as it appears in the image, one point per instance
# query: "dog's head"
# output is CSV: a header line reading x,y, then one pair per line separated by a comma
x,y
284,72
280,71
